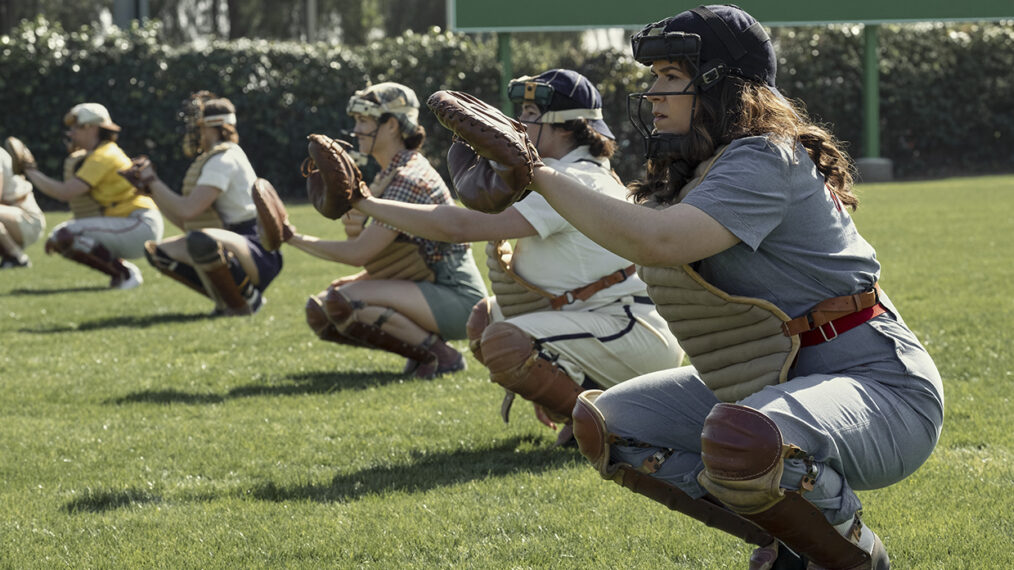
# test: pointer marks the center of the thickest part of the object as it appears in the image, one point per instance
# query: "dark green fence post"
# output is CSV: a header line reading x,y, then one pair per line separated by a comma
x,y
506,71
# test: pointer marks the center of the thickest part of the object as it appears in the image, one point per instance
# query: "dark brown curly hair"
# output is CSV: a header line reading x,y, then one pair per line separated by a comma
x,y
739,108
584,135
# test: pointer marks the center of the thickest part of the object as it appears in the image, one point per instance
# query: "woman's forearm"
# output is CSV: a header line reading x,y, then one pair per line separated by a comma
x,y
621,227
52,187
339,251
673,236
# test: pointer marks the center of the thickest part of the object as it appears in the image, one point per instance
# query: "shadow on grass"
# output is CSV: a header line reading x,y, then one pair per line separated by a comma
x,y
137,322
321,382
166,397
100,501
40,292
429,471
296,385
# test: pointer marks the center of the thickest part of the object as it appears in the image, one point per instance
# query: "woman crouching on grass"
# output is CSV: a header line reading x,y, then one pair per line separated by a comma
x,y
806,385
412,308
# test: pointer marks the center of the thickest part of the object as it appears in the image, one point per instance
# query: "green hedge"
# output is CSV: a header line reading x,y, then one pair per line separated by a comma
x,y
947,94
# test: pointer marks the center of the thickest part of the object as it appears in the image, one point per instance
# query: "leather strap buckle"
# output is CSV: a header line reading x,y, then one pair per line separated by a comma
x,y
834,331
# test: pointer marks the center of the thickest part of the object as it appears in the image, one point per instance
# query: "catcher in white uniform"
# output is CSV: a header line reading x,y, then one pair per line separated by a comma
x,y
567,315
220,254
21,220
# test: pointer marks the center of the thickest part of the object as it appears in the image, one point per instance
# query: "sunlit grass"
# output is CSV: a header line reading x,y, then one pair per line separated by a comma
x,y
139,432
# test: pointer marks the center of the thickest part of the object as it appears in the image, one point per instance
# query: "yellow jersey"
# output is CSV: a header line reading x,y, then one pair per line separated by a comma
x,y
117,196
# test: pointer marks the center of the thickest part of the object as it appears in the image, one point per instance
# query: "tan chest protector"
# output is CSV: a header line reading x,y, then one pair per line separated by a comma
x,y
209,218
735,343
400,260
514,294
82,205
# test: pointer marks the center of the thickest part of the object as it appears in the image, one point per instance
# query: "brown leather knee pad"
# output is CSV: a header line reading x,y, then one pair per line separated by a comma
x,y
338,308
316,318
591,433
340,311
60,242
595,441
515,364
741,449
318,322
506,348
478,320
743,456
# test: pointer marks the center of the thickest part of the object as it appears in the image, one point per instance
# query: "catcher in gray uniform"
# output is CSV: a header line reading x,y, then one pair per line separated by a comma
x,y
806,385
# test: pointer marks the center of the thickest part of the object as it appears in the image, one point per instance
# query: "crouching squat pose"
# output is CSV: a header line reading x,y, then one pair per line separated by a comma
x,y
806,385
414,293
111,219
567,315
21,220
219,255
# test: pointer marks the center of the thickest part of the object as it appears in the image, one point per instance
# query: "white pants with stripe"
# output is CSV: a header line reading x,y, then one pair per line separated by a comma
x,y
609,344
123,237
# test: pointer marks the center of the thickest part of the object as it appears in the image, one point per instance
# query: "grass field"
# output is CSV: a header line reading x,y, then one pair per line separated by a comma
x,y
137,432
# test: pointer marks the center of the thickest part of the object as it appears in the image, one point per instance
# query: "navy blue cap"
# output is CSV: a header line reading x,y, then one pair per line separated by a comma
x,y
727,35
572,97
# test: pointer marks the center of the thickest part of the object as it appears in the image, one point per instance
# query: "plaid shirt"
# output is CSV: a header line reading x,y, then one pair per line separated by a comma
x,y
416,182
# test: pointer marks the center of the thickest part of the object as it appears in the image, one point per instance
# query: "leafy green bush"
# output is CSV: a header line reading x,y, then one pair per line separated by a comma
x,y
947,96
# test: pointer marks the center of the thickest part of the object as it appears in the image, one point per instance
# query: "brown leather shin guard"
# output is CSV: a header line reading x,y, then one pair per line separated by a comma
x,y
478,321
743,457
95,256
317,320
341,312
514,363
213,268
708,512
167,266
594,441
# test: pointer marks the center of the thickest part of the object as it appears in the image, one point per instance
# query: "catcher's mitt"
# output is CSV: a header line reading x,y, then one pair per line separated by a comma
x,y
22,159
273,225
493,136
140,174
333,181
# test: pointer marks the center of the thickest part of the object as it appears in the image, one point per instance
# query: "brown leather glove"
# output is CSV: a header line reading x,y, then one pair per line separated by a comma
x,y
22,159
500,140
482,185
273,227
140,174
333,181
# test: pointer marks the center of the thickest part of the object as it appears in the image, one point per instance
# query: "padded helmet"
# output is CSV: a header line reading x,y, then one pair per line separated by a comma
x,y
561,95
713,42
388,97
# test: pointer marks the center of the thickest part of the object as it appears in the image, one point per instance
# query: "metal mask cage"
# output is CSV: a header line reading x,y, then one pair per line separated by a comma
x,y
640,112
191,114
641,116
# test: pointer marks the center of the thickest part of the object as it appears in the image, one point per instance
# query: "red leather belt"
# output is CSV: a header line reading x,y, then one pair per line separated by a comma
x,y
832,329
831,317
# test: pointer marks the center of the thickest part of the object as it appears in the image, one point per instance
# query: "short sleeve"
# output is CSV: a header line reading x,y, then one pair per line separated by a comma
x,y
216,172
537,211
95,167
747,189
